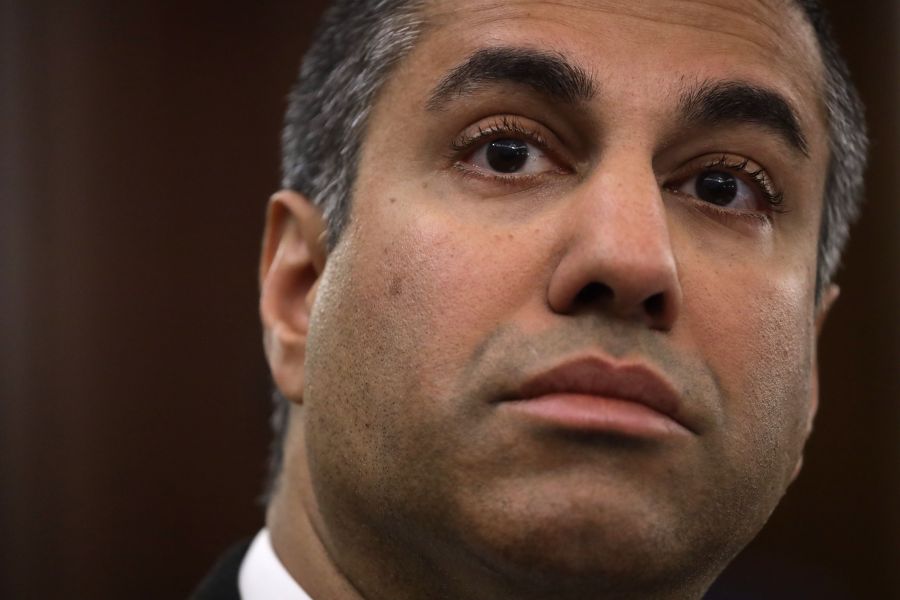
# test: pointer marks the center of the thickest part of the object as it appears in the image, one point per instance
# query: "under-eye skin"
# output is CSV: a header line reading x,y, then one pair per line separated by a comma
x,y
506,150
730,184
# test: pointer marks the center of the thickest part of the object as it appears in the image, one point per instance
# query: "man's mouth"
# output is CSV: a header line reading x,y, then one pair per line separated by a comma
x,y
591,393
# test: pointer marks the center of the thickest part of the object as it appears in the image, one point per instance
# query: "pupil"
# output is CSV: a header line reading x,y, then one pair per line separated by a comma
x,y
717,187
507,156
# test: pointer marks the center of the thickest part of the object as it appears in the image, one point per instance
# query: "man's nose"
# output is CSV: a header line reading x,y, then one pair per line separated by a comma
x,y
617,256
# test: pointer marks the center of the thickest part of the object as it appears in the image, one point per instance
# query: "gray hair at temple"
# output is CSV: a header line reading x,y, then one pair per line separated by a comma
x,y
352,53
359,41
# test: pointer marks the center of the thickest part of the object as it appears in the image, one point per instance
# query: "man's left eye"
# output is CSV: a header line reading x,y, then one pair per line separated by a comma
x,y
730,182
509,156
722,188
718,187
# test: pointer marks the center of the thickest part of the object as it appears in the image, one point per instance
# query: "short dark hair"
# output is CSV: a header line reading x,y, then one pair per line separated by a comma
x,y
354,50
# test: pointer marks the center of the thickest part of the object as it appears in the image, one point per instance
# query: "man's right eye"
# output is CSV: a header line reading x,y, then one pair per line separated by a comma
x,y
508,149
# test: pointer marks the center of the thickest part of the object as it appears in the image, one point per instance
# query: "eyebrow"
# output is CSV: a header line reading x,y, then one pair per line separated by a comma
x,y
709,103
547,73
715,103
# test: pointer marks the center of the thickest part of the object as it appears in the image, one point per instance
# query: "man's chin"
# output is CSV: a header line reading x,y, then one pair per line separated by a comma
x,y
569,548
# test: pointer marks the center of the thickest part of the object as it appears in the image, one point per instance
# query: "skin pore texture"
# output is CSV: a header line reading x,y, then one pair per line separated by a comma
x,y
404,476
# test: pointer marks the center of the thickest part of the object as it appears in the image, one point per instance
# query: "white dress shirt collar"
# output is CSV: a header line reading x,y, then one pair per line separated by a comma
x,y
263,577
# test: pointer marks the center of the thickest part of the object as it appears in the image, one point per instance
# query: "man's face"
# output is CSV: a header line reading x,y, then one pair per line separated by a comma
x,y
530,263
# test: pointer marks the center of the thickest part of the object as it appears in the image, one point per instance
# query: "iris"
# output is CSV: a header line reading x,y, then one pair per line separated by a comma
x,y
717,187
507,155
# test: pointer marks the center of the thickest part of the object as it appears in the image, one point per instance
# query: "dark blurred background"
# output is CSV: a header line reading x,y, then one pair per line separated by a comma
x,y
138,146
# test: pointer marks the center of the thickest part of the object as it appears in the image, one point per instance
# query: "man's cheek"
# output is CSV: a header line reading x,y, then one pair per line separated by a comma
x,y
759,344
445,284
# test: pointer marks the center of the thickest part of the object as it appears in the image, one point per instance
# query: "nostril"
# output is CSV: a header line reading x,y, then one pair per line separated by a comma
x,y
653,310
655,305
594,293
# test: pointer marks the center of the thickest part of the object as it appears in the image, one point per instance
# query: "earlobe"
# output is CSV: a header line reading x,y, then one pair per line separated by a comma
x,y
292,259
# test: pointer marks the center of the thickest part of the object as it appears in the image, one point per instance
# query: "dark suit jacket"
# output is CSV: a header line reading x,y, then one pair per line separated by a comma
x,y
222,582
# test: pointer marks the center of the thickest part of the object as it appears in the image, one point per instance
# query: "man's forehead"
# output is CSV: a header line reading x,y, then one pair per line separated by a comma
x,y
707,14
767,42
767,30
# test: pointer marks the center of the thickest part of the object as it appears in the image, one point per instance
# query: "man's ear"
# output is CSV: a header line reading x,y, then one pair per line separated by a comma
x,y
822,309
292,260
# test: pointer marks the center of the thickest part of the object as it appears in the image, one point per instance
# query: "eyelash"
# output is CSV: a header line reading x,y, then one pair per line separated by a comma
x,y
504,126
465,144
772,197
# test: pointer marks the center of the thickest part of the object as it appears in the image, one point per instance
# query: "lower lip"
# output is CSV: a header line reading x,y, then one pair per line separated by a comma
x,y
596,414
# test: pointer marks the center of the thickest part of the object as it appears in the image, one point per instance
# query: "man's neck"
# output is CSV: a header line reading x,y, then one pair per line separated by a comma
x,y
301,551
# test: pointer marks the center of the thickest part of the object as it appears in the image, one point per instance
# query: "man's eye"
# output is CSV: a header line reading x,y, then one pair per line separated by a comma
x,y
720,188
511,156
728,189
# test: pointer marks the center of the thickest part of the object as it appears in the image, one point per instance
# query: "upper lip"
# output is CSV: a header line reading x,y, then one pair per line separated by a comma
x,y
597,376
